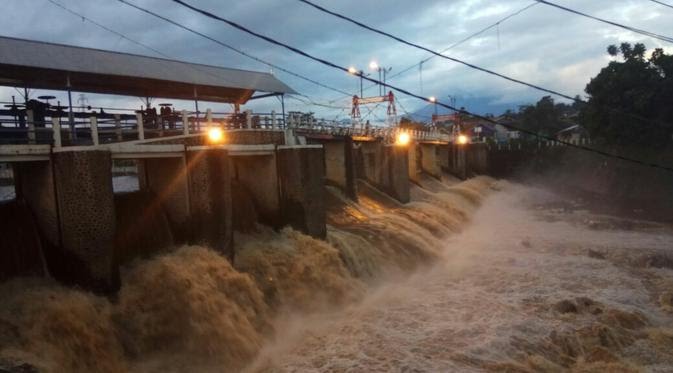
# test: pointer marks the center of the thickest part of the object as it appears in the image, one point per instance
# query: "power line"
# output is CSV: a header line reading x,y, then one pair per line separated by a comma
x,y
464,40
234,49
662,3
408,93
403,41
107,28
467,38
473,66
629,28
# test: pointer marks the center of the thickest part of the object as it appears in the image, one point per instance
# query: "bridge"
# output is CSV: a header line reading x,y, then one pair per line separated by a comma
x,y
194,188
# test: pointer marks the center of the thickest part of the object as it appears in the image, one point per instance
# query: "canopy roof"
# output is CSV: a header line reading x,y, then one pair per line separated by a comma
x,y
34,64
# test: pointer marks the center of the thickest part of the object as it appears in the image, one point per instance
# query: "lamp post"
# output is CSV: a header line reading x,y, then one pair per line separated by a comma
x,y
353,71
382,74
433,99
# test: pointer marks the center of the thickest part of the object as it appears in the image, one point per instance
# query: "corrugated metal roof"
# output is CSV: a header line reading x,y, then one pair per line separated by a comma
x,y
28,54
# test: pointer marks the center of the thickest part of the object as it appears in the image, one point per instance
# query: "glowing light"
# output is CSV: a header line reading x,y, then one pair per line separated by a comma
x,y
374,65
352,70
403,138
432,99
462,139
215,135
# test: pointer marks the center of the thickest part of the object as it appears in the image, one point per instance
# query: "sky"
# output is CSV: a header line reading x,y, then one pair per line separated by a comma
x,y
542,45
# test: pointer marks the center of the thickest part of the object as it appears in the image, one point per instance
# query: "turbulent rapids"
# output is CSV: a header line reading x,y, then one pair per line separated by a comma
x,y
472,276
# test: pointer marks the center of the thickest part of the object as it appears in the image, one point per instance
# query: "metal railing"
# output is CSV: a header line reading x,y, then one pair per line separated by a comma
x,y
96,128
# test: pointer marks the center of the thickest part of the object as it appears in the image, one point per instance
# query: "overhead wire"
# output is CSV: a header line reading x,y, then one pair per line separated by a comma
x,y
662,3
471,65
411,94
80,15
232,48
454,45
625,27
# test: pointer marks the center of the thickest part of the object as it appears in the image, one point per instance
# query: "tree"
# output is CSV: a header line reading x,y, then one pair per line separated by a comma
x,y
546,117
635,85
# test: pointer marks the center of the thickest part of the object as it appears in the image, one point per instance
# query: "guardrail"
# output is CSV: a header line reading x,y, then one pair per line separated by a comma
x,y
105,128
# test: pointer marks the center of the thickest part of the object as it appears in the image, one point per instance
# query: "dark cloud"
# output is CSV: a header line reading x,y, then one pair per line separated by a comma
x,y
542,45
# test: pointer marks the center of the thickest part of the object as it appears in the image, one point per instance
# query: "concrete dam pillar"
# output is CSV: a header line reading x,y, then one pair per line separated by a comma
x,y
301,173
210,198
415,167
458,161
430,161
86,215
340,165
166,179
395,172
386,167
257,174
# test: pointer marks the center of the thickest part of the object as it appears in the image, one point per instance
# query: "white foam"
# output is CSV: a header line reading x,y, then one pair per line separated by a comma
x,y
499,280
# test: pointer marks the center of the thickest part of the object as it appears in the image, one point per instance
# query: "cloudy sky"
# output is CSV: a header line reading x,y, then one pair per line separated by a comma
x,y
542,45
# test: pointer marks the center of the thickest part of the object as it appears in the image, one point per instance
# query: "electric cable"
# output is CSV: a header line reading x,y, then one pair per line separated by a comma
x,y
411,94
234,49
473,66
629,28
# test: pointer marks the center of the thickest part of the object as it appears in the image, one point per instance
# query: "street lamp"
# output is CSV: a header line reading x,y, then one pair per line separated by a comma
x,y
382,73
353,71
433,99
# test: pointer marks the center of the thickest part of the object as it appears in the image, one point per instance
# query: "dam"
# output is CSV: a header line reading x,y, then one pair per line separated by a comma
x,y
263,242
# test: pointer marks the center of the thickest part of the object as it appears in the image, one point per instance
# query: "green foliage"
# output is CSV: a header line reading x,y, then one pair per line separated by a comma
x,y
546,117
637,85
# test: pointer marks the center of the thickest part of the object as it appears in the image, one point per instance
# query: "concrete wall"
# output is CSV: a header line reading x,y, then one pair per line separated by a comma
x,y
415,168
166,180
301,174
259,176
34,182
457,161
340,165
386,167
443,151
477,159
252,137
370,154
395,172
85,201
210,198
430,161
20,248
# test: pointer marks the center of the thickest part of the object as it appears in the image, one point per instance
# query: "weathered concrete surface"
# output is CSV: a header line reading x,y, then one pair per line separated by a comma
x,y
143,228
255,137
370,158
258,174
415,167
395,172
166,180
477,162
386,167
20,247
430,161
34,183
301,172
210,198
84,196
443,151
340,165
457,161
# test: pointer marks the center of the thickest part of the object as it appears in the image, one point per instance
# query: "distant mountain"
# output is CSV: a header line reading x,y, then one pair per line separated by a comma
x,y
477,105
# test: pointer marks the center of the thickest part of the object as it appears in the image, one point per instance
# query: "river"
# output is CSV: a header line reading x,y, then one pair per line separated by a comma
x,y
534,283
481,275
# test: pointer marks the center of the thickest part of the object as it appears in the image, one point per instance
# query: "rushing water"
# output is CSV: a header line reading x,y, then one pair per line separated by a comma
x,y
528,286
477,276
